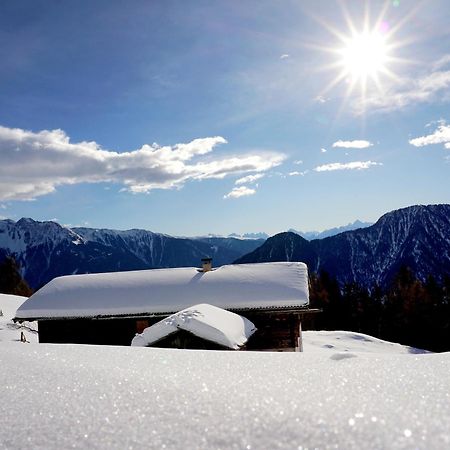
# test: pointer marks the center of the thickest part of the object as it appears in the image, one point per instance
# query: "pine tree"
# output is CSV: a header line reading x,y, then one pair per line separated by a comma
x,y
11,282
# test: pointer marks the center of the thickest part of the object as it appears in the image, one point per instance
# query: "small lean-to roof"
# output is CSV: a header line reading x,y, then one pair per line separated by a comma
x,y
205,321
166,291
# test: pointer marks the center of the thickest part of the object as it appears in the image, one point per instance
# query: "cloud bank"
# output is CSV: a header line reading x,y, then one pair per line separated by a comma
x,y
355,165
440,136
35,163
352,144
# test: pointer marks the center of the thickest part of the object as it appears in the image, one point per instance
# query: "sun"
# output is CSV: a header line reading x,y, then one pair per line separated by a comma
x,y
364,53
364,56
363,61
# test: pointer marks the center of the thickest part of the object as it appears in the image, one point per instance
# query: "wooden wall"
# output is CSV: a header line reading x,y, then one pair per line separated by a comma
x,y
277,331
91,331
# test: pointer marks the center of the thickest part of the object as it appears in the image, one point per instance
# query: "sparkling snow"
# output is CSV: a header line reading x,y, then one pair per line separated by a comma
x,y
355,395
348,341
206,321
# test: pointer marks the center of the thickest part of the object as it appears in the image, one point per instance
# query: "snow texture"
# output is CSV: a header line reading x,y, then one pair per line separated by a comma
x,y
348,341
243,286
205,321
74,396
346,391
10,331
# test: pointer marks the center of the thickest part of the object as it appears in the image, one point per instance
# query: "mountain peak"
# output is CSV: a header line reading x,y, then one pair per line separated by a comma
x,y
310,235
417,237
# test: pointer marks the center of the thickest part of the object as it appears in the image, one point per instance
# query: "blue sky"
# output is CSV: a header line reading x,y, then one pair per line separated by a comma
x,y
217,117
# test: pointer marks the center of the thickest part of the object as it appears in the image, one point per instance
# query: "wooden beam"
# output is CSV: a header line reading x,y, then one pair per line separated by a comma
x,y
300,337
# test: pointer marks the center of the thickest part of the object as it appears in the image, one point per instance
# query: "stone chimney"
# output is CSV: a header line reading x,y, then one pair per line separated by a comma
x,y
206,264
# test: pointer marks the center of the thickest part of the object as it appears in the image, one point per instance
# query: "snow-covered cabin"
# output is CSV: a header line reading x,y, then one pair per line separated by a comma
x,y
109,308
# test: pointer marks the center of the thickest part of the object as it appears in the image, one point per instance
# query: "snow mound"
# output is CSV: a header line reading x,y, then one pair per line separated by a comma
x,y
205,321
349,341
10,331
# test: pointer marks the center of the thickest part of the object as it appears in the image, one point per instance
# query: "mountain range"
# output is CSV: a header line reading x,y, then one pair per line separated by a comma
x,y
45,250
417,237
310,235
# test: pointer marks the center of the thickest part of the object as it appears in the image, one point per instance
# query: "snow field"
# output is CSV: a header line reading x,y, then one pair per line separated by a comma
x,y
61,396
347,391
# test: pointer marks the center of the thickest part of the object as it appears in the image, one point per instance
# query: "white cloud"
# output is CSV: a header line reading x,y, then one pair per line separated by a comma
x,y
355,165
440,136
429,87
34,164
298,162
321,99
249,178
352,144
442,62
241,191
285,56
435,122
296,173
323,150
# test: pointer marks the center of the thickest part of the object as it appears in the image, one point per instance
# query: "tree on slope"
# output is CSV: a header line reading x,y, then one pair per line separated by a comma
x,y
11,282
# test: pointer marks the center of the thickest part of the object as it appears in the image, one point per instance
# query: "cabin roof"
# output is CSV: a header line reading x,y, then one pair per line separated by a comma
x,y
166,291
208,322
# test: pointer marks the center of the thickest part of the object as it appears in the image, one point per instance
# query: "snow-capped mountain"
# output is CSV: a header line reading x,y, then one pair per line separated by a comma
x,y
310,235
45,250
258,235
418,237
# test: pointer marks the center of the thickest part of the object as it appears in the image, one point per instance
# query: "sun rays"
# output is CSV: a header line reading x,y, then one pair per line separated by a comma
x,y
363,54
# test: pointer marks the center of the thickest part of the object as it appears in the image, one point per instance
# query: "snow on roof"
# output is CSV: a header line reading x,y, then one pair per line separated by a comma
x,y
165,291
205,321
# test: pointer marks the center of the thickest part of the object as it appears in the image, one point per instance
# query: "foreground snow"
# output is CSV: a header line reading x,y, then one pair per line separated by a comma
x,y
61,396
346,391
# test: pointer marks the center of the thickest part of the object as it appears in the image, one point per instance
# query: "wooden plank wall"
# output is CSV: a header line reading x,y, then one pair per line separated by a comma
x,y
277,331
